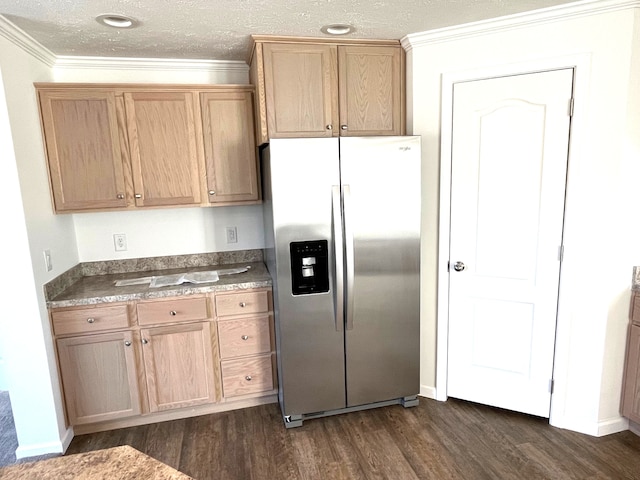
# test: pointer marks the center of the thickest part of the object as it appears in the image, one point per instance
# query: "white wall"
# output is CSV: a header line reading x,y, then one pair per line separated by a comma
x,y
30,227
600,234
152,233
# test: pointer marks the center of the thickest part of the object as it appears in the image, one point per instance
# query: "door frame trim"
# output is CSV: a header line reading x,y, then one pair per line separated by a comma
x,y
581,65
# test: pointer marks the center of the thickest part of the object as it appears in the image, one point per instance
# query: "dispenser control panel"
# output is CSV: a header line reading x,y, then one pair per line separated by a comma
x,y
309,267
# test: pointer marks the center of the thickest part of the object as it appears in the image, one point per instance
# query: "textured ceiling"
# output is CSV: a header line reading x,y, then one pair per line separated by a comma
x,y
220,29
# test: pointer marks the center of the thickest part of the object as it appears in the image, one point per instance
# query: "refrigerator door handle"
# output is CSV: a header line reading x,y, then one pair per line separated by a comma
x,y
348,253
338,248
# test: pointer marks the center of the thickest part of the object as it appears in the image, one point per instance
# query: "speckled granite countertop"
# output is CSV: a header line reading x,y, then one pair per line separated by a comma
x,y
635,283
80,288
118,463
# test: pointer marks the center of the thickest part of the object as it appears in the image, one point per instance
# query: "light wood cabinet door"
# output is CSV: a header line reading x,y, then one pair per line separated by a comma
x,y
99,377
166,155
85,159
371,89
631,384
229,145
178,362
301,83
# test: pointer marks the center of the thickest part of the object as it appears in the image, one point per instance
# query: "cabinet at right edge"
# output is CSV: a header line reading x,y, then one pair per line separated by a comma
x,y
325,89
631,379
246,342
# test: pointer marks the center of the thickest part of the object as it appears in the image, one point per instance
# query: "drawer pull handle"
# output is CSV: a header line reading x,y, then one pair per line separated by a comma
x,y
145,341
248,378
245,337
173,313
91,320
242,304
127,343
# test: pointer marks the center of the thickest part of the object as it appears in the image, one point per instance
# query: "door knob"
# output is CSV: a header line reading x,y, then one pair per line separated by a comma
x,y
459,266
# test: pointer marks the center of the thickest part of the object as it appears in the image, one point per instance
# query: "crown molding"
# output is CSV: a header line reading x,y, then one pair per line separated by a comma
x,y
126,63
544,15
26,42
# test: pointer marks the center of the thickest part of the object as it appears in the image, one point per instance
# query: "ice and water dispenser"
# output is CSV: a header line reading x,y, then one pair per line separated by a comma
x,y
309,267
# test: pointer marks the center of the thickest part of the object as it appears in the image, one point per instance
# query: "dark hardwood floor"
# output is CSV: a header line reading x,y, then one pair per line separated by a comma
x,y
435,440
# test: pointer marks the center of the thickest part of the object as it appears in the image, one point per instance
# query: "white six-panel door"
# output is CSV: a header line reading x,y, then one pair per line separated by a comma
x,y
509,159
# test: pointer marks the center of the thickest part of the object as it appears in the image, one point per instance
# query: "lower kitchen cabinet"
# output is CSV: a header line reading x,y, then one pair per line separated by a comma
x,y
99,376
178,365
631,385
129,363
247,349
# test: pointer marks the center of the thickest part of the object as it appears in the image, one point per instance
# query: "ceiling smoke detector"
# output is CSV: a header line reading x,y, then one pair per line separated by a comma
x,y
116,20
337,29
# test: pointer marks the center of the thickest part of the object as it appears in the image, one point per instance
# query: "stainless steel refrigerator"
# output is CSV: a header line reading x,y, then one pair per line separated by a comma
x,y
342,223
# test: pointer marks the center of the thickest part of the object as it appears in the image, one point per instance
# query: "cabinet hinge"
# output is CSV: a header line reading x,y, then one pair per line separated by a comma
x,y
571,107
551,384
448,266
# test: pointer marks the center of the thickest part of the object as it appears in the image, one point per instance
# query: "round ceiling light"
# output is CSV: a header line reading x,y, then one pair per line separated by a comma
x,y
116,21
337,29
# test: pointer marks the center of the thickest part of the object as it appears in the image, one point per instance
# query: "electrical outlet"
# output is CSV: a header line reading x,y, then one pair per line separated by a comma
x,y
47,260
232,234
120,242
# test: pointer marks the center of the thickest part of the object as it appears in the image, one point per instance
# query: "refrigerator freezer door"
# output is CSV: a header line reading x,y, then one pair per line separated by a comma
x,y
381,189
300,177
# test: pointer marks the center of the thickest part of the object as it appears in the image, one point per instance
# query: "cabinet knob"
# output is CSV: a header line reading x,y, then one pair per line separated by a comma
x,y
173,313
212,192
343,127
120,196
329,127
245,337
248,378
145,341
242,304
127,343
137,195
91,320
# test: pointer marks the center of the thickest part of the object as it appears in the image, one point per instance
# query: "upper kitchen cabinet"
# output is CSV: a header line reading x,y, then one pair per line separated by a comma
x,y
131,146
301,89
83,145
229,147
165,156
371,86
308,87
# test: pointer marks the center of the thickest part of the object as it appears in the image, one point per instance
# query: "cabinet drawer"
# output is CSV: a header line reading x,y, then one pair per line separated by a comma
x,y
244,336
90,319
240,303
171,311
247,375
635,311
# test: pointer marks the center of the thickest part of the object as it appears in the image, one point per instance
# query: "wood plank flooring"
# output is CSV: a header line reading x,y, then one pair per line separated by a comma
x,y
435,440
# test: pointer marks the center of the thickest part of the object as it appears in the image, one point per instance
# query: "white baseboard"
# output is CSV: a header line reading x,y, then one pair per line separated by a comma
x,y
26,451
428,392
634,428
595,429
613,425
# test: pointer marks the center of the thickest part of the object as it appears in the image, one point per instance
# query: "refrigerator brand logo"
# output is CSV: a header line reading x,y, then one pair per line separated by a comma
x,y
405,149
